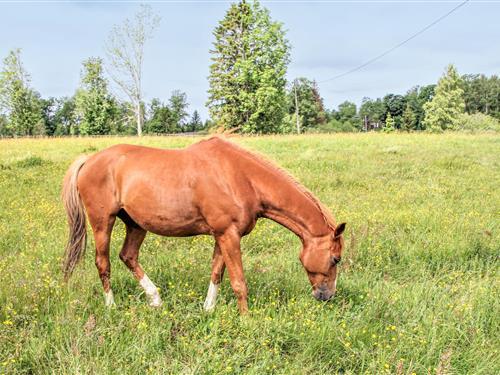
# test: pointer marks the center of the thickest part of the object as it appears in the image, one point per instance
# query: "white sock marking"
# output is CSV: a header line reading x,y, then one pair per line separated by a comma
x,y
108,298
151,291
211,296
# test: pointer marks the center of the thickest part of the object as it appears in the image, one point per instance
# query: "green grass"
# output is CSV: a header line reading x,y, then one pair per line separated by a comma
x,y
418,290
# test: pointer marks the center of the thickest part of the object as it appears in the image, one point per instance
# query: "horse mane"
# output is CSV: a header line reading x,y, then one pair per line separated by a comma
x,y
262,159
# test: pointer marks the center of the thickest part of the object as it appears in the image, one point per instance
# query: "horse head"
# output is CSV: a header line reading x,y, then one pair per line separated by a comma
x,y
320,257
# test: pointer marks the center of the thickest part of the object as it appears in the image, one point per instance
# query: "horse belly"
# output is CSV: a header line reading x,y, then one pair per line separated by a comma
x,y
165,211
168,221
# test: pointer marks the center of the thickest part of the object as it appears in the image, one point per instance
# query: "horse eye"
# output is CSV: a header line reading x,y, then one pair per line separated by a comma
x,y
335,260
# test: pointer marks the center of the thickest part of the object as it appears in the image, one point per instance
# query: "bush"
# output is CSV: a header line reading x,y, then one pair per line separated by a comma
x,y
478,122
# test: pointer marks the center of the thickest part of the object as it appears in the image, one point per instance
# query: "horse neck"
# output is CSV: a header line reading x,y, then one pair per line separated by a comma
x,y
287,204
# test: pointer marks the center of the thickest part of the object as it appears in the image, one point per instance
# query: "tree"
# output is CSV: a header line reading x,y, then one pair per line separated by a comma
x,y
347,112
65,117
178,107
4,125
416,97
160,119
444,110
390,124
195,124
409,119
304,94
395,105
19,102
482,94
247,77
373,110
48,108
94,105
125,52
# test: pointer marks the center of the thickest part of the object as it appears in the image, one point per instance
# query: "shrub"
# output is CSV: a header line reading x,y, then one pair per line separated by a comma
x,y
30,161
478,122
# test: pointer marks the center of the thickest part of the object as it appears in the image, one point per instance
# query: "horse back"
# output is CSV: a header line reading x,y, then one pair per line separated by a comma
x,y
197,190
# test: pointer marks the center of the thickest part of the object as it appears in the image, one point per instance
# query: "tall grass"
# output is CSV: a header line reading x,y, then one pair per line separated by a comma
x,y
418,290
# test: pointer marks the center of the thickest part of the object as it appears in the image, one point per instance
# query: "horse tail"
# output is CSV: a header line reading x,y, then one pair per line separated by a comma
x,y
77,241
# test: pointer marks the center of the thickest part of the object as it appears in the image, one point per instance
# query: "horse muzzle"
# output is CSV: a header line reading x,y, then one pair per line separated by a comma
x,y
323,294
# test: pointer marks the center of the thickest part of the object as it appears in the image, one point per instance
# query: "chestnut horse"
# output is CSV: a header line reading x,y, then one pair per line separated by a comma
x,y
212,187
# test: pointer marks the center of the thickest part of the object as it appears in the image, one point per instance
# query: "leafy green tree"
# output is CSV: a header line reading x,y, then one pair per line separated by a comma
x,y
444,110
347,113
373,110
395,105
390,124
409,120
20,102
247,77
178,106
49,108
94,105
160,119
4,125
482,94
65,117
416,97
310,104
124,119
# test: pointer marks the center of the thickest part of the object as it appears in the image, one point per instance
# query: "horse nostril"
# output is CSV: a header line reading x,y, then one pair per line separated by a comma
x,y
325,295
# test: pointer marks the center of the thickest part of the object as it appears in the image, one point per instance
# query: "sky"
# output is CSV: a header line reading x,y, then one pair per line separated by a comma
x,y
327,38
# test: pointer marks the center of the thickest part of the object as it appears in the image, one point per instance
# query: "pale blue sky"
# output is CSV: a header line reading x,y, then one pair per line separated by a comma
x,y
327,38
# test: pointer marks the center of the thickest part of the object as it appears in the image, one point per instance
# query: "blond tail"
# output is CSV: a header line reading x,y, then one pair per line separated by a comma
x,y
77,241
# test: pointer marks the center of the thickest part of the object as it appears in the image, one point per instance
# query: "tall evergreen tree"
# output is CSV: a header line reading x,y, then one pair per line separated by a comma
x,y
247,77
409,120
195,123
444,110
390,124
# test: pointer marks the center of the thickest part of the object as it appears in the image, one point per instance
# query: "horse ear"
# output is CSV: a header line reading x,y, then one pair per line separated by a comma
x,y
339,230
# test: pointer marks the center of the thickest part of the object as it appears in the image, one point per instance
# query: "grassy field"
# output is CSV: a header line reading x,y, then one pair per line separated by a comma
x,y
418,290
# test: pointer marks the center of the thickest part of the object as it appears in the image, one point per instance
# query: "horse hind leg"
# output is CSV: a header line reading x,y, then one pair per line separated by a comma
x,y
102,227
218,268
130,256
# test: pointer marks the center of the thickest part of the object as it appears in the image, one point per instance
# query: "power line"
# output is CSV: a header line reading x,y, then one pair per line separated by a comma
x,y
397,45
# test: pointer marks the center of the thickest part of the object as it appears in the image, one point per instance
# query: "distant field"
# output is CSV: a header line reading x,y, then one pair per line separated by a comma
x,y
419,289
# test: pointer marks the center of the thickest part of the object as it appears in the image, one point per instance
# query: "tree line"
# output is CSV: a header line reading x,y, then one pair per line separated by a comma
x,y
454,103
248,91
92,110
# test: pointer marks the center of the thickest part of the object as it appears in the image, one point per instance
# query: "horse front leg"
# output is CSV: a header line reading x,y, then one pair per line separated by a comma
x,y
218,267
229,244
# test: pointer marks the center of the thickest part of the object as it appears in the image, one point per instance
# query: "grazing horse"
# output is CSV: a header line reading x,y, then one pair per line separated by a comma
x,y
213,187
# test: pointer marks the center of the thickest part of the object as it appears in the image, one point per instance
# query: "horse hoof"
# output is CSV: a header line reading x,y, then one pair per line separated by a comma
x,y
156,303
208,308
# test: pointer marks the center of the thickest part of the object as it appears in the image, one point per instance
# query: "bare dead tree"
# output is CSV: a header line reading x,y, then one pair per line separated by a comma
x,y
125,55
